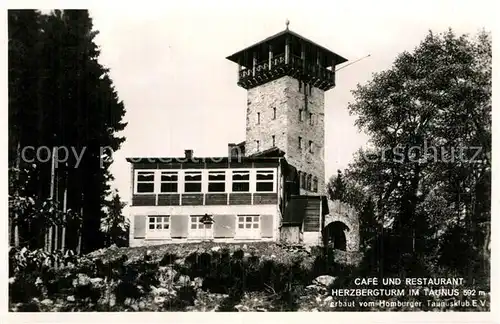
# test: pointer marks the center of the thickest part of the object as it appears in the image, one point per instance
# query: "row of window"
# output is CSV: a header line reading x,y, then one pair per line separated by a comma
x,y
308,181
247,225
273,117
161,181
312,117
273,139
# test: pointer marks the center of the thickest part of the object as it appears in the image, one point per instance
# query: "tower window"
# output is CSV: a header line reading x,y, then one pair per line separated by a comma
x,y
274,140
258,118
274,113
258,145
315,184
301,114
300,142
311,120
311,147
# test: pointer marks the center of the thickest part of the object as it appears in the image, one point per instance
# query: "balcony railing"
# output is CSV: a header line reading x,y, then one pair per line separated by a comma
x,y
278,66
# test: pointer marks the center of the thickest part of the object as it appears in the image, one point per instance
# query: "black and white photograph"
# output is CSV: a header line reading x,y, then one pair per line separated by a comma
x,y
250,157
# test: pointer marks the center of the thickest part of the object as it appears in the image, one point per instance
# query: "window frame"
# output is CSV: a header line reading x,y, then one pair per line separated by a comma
x,y
136,181
200,233
158,232
176,173
248,233
212,172
273,181
249,181
185,182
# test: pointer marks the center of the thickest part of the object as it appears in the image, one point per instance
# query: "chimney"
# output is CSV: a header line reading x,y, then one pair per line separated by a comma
x,y
188,154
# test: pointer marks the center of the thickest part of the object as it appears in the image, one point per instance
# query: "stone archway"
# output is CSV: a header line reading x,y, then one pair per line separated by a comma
x,y
341,222
334,235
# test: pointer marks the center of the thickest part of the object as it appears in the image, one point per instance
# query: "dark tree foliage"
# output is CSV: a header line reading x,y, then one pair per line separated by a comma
x,y
60,95
428,168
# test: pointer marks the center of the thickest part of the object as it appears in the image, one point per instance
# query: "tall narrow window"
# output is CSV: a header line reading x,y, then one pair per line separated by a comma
x,y
258,145
241,181
274,113
216,181
301,114
258,118
315,184
300,142
274,140
192,181
265,181
303,180
169,181
311,121
311,147
145,182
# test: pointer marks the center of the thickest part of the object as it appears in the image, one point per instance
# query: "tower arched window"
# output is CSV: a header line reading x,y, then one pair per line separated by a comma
x,y
315,184
303,180
308,182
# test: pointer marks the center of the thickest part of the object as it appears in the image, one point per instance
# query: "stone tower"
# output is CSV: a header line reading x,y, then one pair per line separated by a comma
x,y
286,76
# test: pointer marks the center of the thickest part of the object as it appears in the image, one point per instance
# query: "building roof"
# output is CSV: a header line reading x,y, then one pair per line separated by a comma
x,y
243,56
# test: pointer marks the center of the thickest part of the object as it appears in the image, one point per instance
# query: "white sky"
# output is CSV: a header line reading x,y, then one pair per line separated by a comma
x,y
168,65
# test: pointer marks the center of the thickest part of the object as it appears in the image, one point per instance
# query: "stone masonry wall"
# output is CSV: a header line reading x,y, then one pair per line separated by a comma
x,y
288,97
341,212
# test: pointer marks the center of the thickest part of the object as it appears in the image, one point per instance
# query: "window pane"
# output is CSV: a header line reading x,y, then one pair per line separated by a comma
x,y
158,226
158,219
264,186
241,186
208,226
169,187
145,187
149,176
166,226
255,225
217,187
165,219
240,226
192,187
193,226
241,219
151,219
169,177
256,218
241,176
264,175
193,177
217,176
248,225
151,226
248,219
